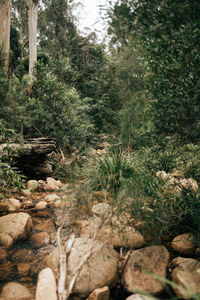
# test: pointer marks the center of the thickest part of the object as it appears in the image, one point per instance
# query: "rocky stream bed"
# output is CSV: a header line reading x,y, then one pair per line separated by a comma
x,y
108,258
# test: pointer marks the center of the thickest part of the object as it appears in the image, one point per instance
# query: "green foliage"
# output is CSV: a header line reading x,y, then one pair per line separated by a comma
x,y
80,63
54,109
15,49
7,134
135,114
95,80
111,171
57,27
161,158
167,34
10,177
74,95
3,82
187,291
159,207
166,213
136,123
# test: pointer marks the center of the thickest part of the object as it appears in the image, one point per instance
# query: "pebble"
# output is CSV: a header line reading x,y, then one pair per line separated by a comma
x,y
14,204
52,198
41,205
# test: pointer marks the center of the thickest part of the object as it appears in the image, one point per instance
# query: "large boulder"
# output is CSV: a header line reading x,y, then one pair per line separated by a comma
x,y
114,233
14,290
101,268
46,285
186,274
153,259
17,226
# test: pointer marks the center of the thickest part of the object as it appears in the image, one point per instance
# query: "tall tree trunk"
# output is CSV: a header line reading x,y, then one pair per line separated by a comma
x,y
32,31
5,8
20,27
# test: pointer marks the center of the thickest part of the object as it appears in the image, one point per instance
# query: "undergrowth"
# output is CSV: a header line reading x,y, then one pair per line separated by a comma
x,y
10,176
156,206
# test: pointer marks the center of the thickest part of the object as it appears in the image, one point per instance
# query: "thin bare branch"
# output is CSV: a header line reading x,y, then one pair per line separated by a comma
x,y
62,293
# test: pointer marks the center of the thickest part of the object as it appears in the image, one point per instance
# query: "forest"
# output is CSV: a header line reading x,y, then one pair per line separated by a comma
x,y
124,116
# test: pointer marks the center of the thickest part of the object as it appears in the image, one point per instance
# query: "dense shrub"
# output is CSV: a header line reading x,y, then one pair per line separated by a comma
x,y
159,208
110,171
10,177
54,109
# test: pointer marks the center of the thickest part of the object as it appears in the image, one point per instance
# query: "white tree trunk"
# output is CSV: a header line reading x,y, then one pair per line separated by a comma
x,y
20,28
32,31
5,8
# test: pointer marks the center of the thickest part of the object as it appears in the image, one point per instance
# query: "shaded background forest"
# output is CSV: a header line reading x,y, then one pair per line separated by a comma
x,y
145,87
141,91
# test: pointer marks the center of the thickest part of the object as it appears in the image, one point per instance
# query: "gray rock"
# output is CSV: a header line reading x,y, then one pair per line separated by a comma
x,y
153,259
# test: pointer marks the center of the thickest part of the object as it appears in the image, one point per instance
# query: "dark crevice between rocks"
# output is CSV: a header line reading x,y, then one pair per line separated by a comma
x,y
34,166
30,157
